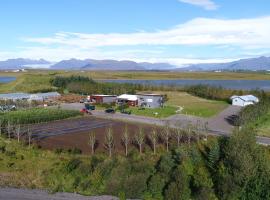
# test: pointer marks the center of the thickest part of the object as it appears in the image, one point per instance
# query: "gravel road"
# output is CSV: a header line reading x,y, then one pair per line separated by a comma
x,y
26,194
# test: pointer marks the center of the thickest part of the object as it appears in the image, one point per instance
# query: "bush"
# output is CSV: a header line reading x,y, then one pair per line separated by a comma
x,y
73,164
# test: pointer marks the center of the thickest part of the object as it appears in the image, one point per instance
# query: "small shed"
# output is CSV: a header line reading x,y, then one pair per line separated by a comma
x,y
150,100
102,98
244,100
129,99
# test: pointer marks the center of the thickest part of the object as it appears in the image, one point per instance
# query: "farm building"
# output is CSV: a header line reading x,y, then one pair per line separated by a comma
x,y
150,100
14,96
244,100
44,96
131,100
101,98
31,97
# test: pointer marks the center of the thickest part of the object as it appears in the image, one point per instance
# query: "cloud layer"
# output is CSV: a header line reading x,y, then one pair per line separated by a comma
x,y
246,33
243,35
206,4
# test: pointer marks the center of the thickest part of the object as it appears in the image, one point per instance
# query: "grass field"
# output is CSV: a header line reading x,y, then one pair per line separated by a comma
x,y
144,75
192,105
39,80
28,82
264,126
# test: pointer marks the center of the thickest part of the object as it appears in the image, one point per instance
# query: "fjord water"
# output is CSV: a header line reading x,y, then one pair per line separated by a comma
x,y
6,79
229,84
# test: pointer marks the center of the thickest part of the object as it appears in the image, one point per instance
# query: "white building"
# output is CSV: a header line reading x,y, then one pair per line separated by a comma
x,y
244,100
129,99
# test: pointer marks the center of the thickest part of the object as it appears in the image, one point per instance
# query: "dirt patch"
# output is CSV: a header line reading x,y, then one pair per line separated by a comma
x,y
74,133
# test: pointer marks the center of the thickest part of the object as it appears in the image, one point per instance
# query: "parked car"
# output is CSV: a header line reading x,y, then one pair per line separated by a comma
x,y
84,110
90,107
109,110
84,101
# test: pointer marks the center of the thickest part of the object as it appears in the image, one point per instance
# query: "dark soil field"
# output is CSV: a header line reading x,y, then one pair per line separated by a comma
x,y
74,133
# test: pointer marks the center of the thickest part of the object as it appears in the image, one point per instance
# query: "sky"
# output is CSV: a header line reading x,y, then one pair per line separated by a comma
x,y
174,31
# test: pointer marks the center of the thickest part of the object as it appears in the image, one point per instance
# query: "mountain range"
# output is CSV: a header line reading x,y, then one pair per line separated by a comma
x,y
260,63
91,64
20,63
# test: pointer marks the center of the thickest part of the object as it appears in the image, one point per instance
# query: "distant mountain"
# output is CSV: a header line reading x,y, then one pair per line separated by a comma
x,y
91,64
261,63
20,63
71,64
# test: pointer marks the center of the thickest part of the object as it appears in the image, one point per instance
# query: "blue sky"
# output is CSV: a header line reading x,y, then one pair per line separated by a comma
x,y
175,31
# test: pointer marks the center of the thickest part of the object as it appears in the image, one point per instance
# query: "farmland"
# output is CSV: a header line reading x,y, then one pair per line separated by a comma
x,y
37,115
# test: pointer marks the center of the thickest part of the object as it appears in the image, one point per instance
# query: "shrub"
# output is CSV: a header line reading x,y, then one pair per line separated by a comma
x,y
73,164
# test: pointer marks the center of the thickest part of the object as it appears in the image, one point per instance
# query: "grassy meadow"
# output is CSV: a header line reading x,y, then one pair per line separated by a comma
x,y
153,75
192,105
39,80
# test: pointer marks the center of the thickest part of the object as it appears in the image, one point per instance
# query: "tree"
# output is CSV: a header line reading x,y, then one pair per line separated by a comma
x,y
240,165
109,143
9,129
92,141
154,137
126,139
29,134
166,135
18,131
1,126
178,135
179,189
189,130
139,138
206,130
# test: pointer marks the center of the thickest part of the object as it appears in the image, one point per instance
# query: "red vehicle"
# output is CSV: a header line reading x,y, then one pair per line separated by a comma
x,y
84,110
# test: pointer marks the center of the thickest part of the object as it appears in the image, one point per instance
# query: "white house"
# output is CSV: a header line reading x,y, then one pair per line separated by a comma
x,y
244,100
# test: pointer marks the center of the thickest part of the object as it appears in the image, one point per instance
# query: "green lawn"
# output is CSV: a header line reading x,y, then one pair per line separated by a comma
x,y
192,105
154,112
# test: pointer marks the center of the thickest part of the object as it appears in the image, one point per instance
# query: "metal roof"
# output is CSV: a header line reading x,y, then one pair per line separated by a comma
x,y
20,95
247,98
15,96
129,97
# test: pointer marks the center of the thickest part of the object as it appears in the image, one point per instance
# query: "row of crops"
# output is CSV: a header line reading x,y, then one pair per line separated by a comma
x,y
36,115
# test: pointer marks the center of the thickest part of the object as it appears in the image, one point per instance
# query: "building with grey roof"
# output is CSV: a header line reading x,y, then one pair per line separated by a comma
x,y
150,100
26,96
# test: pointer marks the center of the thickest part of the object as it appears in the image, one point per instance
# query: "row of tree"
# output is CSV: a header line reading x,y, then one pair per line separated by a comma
x,y
165,135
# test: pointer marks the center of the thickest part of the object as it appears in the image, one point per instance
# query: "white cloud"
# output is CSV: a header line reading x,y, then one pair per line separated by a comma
x,y
244,33
206,4
240,35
